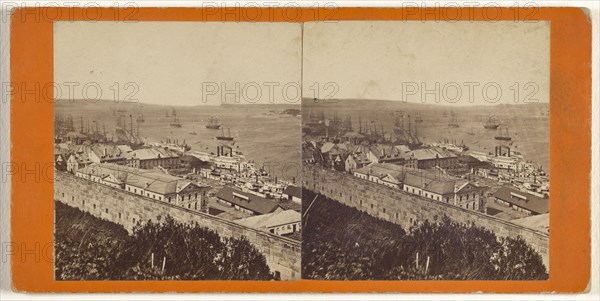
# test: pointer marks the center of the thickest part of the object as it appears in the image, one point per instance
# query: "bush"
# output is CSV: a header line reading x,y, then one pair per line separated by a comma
x,y
341,242
88,248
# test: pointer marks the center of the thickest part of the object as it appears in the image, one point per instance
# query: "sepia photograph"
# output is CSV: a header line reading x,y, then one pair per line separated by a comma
x,y
299,149
426,150
177,151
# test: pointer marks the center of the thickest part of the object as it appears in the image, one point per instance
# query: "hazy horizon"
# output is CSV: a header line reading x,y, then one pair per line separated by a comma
x,y
399,60
180,63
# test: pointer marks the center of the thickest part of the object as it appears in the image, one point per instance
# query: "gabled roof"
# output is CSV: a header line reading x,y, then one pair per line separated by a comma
x,y
432,153
146,179
327,146
247,200
539,222
293,191
154,153
270,220
106,152
521,199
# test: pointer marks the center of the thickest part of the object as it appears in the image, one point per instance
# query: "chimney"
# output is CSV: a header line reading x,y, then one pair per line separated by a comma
x,y
105,152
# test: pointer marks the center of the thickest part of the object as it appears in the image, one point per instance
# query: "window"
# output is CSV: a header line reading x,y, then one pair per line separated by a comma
x,y
196,195
106,210
396,214
383,210
94,206
72,198
63,194
371,206
119,215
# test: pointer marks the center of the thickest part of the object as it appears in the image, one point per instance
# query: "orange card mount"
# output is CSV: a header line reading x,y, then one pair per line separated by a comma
x,y
32,120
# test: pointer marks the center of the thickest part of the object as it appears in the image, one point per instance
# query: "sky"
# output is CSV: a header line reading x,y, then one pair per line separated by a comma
x,y
178,63
455,63
196,63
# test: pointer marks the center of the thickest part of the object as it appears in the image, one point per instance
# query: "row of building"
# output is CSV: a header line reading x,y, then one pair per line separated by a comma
x,y
148,183
345,156
433,185
438,186
70,157
266,214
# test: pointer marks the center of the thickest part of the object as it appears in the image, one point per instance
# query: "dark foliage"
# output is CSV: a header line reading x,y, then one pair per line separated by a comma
x,y
88,248
341,242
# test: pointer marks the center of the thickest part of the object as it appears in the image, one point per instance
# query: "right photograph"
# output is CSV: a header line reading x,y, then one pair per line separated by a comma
x,y
426,150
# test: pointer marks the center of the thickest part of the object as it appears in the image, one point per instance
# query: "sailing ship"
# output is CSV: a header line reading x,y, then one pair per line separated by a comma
x,y
167,114
140,117
470,132
502,136
453,121
491,123
418,119
175,122
223,137
193,132
213,123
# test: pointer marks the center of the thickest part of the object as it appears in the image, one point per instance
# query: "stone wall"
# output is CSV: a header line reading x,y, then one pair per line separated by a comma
x,y
124,208
403,208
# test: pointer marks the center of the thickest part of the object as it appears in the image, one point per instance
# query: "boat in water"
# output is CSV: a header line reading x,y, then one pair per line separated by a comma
x,y
504,136
213,123
193,132
491,123
453,121
223,137
175,122
419,119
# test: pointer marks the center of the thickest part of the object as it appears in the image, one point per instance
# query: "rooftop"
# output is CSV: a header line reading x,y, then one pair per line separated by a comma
x,y
293,191
270,220
154,153
521,199
247,200
146,179
432,153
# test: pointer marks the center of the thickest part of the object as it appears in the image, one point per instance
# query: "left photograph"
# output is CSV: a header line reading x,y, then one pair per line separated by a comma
x,y
176,151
